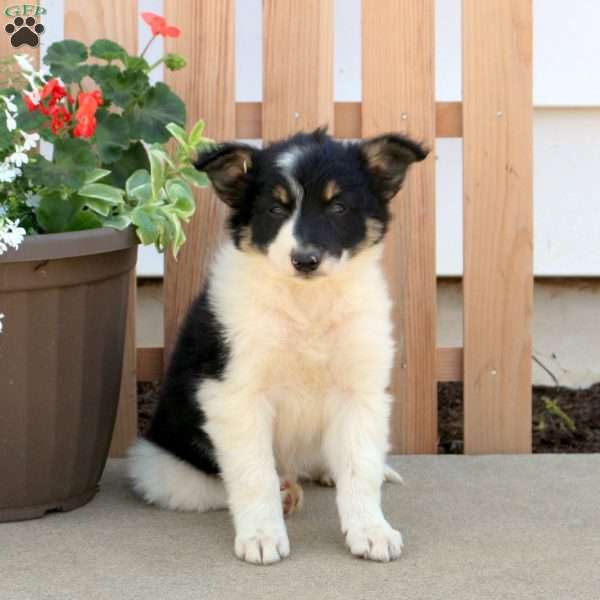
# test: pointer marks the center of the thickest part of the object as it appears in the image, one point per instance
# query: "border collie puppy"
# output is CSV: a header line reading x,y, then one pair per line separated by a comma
x,y
281,368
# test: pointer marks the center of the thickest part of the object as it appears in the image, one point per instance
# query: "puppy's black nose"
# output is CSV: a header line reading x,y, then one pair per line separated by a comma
x,y
306,261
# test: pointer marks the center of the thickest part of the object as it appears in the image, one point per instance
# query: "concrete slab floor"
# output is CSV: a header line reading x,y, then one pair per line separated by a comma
x,y
485,528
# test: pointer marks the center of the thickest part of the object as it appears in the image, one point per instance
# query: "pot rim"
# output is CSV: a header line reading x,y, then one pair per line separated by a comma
x,y
50,246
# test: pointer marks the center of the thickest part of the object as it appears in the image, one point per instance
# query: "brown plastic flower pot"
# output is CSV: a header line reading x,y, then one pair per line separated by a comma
x,y
64,297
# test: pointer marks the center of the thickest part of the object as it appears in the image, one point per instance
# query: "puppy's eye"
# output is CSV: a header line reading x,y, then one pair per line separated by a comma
x,y
278,210
337,208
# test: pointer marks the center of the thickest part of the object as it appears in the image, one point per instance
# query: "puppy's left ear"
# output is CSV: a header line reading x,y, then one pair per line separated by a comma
x,y
387,158
228,168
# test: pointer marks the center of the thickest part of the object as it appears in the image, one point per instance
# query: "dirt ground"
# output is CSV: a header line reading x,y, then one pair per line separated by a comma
x,y
564,420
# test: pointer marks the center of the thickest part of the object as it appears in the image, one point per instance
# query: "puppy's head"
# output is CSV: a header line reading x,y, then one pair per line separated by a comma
x,y
309,203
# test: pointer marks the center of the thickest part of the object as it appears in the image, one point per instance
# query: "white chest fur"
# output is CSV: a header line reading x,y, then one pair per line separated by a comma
x,y
304,349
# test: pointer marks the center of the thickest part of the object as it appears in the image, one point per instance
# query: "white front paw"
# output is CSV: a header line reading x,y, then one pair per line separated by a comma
x,y
375,542
262,547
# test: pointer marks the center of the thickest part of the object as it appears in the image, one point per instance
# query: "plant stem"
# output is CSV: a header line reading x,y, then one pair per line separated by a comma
x,y
147,45
153,66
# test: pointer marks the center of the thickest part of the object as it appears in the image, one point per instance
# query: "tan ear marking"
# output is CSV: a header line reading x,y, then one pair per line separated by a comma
x,y
331,190
280,193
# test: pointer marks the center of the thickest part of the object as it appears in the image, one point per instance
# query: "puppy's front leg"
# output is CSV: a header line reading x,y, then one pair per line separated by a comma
x,y
243,437
354,448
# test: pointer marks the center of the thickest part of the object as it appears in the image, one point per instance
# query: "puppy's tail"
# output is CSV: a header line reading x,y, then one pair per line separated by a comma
x,y
163,479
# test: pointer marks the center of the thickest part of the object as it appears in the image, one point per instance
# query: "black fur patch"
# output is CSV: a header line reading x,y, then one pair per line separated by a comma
x,y
201,353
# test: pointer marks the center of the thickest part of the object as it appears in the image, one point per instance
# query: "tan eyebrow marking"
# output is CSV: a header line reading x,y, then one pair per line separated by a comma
x,y
280,193
331,190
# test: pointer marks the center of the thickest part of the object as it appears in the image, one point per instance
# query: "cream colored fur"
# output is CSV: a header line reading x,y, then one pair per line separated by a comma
x,y
303,393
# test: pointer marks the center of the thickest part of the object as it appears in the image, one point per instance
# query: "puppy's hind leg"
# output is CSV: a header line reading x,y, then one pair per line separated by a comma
x,y
292,495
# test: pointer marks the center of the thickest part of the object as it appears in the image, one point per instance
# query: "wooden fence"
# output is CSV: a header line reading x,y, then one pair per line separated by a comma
x,y
495,122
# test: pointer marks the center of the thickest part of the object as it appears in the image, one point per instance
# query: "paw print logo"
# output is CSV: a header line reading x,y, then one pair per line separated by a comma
x,y
24,32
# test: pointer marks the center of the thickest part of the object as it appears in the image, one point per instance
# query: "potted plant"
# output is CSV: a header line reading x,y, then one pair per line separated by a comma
x,y
69,226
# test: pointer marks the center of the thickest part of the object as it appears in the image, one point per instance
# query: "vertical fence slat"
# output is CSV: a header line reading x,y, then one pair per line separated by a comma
x,y
498,279
207,86
93,19
87,22
298,66
398,95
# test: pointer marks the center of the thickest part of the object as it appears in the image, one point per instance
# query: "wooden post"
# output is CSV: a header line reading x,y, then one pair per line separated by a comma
x,y
87,22
498,278
298,66
398,95
207,86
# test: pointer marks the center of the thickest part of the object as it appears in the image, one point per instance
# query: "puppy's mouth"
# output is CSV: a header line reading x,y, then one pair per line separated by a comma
x,y
309,276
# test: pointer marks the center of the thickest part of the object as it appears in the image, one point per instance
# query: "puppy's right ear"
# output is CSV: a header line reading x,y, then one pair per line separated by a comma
x,y
228,167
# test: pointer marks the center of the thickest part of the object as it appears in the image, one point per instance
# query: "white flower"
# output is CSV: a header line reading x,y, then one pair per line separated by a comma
x,y
18,157
24,63
10,234
32,200
1,324
30,140
31,80
11,124
10,105
33,96
8,172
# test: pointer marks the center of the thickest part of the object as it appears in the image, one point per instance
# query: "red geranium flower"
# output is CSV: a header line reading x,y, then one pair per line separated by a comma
x,y
55,89
159,26
86,120
60,117
86,126
31,105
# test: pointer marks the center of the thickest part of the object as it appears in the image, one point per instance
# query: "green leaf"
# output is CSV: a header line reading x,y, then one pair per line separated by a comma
x,y
173,235
112,136
150,117
137,63
56,213
96,174
181,198
6,136
100,191
119,222
102,207
195,177
108,50
147,225
196,134
157,172
137,180
85,219
120,87
134,158
65,60
178,133
73,160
